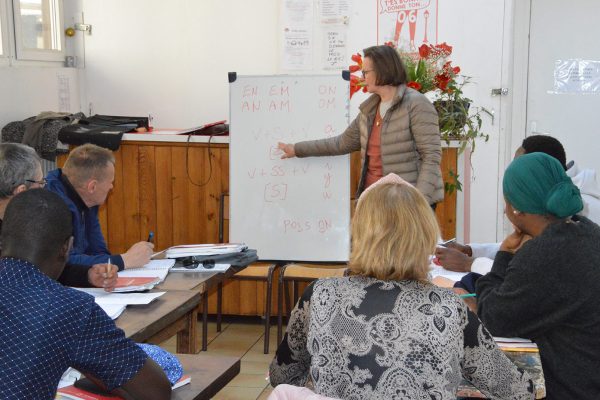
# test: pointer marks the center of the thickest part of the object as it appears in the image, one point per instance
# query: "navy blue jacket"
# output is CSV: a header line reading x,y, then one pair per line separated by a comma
x,y
89,246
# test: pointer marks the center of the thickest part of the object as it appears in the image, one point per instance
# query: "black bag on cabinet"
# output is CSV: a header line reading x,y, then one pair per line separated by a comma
x,y
102,130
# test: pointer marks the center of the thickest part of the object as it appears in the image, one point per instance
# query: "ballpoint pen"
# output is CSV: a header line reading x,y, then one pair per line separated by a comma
x,y
447,242
463,296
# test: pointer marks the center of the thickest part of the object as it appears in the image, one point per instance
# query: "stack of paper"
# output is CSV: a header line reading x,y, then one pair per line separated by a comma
x,y
515,344
155,268
135,284
102,297
69,377
204,249
114,304
113,310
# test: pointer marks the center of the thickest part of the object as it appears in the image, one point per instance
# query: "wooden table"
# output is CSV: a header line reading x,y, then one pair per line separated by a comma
x,y
209,373
175,312
201,282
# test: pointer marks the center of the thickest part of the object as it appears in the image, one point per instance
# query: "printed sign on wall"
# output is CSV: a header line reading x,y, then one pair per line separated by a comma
x,y
407,23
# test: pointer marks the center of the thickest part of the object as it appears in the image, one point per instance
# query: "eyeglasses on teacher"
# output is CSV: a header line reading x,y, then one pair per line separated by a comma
x,y
366,71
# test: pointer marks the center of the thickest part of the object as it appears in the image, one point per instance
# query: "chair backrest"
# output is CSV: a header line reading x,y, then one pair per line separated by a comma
x,y
308,272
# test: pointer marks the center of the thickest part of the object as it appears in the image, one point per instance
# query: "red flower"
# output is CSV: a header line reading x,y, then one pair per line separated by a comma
x,y
354,68
424,51
355,84
357,58
414,85
445,48
455,70
441,81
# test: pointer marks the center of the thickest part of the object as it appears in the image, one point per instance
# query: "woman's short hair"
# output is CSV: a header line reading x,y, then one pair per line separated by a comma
x,y
389,68
394,232
18,164
87,162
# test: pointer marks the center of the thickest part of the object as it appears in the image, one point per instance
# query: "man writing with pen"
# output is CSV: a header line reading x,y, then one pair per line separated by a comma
x,y
84,183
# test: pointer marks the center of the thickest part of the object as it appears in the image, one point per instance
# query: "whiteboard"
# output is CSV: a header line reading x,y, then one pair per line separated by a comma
x,y
295,209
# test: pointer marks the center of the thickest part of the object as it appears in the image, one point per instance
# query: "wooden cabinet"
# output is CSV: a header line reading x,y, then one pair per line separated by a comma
x,y
174,190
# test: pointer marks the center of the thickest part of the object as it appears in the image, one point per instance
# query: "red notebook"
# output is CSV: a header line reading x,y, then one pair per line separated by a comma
x,y
141,281
135,284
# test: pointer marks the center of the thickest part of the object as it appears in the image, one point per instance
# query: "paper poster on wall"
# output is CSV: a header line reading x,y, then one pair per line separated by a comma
x,y
64,93
334,11
297,34
334,47
407,23
576,76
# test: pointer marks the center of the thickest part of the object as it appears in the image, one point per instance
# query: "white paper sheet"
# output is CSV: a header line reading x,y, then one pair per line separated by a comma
x,y
103,297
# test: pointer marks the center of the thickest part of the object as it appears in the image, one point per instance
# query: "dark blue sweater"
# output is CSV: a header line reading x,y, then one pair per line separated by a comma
x,y
89,246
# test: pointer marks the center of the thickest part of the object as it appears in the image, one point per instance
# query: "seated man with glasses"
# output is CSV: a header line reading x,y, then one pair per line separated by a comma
x,y
20,169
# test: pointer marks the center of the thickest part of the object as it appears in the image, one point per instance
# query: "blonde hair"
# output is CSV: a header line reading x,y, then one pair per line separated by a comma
x,y
394,231
87,162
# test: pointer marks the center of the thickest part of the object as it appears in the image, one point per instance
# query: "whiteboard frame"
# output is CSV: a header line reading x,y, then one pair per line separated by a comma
x,y
335,248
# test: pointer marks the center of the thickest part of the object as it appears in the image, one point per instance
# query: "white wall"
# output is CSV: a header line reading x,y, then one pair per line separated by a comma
x,y
27,88
171,59
26,91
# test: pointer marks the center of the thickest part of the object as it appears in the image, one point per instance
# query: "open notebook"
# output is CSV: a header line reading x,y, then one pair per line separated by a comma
x,y
155,268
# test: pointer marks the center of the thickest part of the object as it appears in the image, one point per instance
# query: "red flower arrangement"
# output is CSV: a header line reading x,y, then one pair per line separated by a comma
x,y
428,71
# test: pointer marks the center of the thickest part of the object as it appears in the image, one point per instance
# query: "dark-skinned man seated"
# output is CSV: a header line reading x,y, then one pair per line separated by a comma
x,y
46,327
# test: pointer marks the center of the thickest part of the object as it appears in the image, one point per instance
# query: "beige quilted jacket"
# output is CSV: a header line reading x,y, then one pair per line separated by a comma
x,y
410,141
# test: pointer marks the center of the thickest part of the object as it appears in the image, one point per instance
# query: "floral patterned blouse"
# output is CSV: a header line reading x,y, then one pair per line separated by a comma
x,y
362,338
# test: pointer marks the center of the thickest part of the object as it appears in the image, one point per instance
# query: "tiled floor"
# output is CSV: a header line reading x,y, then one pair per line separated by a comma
x,y
241,337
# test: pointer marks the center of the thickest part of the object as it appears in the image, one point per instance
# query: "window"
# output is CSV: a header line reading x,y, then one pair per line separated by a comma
x,y
38,30
3,35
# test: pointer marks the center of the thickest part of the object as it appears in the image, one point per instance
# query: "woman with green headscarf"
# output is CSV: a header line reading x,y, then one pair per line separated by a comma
x,y
547,288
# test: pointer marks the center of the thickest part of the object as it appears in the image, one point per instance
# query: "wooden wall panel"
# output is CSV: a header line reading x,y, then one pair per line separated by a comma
x,y
181,205
147,191
196,193
164,198
115,227
131,188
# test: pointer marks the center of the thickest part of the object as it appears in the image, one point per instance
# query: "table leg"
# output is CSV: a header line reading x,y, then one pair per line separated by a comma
x,y
205,321
219,304
186,338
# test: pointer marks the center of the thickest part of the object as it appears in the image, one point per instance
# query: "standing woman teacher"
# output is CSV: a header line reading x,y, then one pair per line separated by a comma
x,y
396,131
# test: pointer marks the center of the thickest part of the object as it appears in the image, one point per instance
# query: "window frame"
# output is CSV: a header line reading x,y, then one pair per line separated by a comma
x,y
4,41
24,54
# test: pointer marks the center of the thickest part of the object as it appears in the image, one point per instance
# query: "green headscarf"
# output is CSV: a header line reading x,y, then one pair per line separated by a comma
x,y
536,183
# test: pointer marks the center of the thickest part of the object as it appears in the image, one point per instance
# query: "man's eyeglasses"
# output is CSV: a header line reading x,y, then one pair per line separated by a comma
x,y
192,263
365,72
41,182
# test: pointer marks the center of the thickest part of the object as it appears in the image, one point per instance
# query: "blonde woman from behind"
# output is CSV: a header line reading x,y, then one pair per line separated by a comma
x,y
385,331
